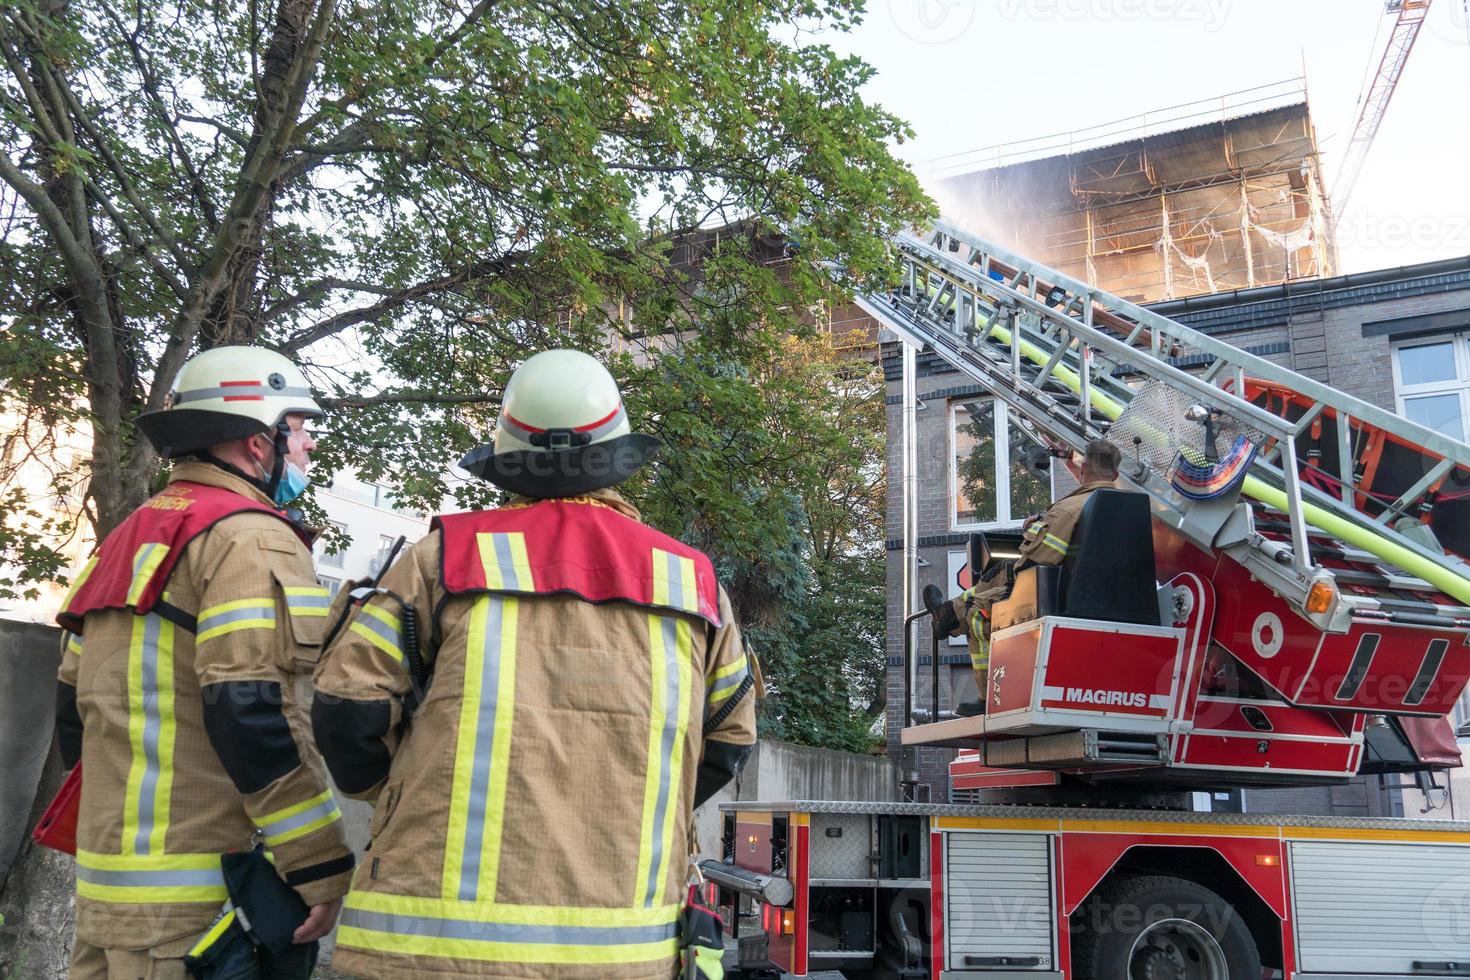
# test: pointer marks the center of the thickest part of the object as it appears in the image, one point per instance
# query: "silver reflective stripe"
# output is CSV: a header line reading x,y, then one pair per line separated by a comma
x,y
607,426
240,391
288,824
294,602
499,932
370,622
152,723
151,879
733,681
469,869
676,580
673,697
235,615
505,561
142,556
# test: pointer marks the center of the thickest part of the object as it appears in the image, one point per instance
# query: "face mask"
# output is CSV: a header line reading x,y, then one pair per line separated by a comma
x,y
293,484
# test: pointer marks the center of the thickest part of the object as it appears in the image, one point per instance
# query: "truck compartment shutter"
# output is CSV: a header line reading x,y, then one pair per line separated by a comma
x,y
998,901
1379,908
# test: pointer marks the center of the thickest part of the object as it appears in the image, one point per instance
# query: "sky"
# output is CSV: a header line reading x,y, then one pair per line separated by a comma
x,y
968,74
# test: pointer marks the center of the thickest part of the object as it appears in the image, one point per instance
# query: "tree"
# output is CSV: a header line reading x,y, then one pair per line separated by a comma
x,y
409,196
776,461
373,186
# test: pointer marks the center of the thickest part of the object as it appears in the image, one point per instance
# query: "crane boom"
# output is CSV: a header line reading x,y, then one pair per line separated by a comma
x,y
1411,14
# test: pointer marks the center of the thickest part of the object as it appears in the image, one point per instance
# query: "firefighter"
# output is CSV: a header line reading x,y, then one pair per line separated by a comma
x,y
1045,540
536,698
184,635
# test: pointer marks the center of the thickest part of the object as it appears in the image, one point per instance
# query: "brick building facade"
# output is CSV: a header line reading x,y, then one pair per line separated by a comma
x,y
1399,338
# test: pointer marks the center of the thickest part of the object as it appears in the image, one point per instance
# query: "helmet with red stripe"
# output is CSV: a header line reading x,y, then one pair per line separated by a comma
x,y
562,430
227,393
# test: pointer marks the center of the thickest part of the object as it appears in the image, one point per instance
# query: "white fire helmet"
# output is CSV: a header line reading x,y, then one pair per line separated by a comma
x,y
227,393
562,430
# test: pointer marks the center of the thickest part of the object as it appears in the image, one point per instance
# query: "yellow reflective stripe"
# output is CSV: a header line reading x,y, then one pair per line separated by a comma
x,y
1056,544
685,657
150,879
381,628
482,752
167,725
726,681
230,617
486,930
505,562
307,600
81,580
153,894
670,655
383,616
145,562
211,936
500,756
151,728
733,667
1035,529
549,915
74,644
502,952
674,584
658,686
294,822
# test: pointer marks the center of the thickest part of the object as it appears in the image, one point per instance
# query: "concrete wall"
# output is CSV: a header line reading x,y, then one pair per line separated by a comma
x,y
35,884
782,771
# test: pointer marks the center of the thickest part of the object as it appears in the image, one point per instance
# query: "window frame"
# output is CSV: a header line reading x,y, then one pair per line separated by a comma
x,y
1001,435
1403,393
325,558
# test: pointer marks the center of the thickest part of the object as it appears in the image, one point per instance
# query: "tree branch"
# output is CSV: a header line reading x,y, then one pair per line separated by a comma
x,y
409,397
366,314
316,291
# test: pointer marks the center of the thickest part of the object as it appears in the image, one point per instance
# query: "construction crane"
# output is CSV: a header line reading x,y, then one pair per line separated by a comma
x,y
1411,14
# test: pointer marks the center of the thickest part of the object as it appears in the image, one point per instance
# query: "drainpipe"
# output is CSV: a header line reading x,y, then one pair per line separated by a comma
x,y
910,526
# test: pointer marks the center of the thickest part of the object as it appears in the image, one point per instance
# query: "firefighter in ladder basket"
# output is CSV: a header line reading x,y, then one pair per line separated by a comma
x,y
1045,541
536,698
184,637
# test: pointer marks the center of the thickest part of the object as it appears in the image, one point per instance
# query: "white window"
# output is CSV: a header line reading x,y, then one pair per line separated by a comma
x,y
990,488
1431,379
330,584
385,546
327,558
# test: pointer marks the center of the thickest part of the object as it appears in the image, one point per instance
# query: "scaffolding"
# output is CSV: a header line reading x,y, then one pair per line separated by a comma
x,y
1197,198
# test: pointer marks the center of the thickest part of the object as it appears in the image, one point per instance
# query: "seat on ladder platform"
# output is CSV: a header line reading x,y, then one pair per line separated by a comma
x,y
1108,573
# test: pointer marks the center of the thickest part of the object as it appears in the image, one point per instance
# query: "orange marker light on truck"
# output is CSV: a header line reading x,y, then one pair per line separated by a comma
x,y
1268,860
1319,599
788,922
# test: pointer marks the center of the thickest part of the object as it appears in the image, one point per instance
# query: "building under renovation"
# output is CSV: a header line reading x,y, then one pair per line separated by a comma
x,y
1208,197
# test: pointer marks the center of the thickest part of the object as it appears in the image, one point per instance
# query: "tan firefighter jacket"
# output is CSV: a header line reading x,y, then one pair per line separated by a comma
x,y
1045,541
193,741
536,816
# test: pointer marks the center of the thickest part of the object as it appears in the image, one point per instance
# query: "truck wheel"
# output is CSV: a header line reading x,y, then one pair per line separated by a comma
x,y
1162,928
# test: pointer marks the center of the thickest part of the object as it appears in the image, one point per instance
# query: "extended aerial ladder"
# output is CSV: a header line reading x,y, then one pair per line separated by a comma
x,y
1320,580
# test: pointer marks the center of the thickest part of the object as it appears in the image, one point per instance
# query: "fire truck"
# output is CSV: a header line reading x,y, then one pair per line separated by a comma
x,y
1276,595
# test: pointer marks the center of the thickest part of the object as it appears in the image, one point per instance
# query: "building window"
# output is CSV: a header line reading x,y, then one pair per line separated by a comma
x,y
1432,381
987,487
385,546
330,584
331,558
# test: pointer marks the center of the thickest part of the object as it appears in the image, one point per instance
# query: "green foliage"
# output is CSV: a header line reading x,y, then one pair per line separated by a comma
x,y
774,464
409,197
